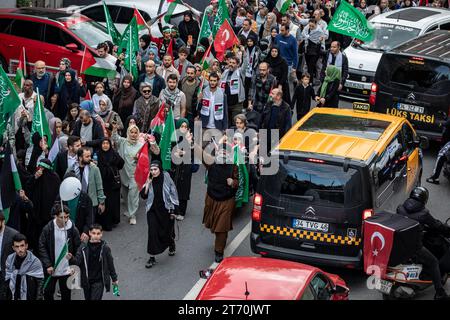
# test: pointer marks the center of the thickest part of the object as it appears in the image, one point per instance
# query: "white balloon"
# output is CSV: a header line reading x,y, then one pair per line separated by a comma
x,y
70,189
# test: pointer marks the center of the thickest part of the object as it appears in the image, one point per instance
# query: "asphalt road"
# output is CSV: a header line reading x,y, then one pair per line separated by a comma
x,y
177,277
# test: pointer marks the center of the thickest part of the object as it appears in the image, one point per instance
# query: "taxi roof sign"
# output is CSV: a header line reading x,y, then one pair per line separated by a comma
x,y
361,107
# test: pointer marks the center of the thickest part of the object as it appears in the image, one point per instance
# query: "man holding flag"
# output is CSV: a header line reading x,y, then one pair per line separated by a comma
x,y
58,245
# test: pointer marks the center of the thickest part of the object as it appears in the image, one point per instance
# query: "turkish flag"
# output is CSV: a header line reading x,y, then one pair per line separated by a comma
x,y
225,38
142,167
378,240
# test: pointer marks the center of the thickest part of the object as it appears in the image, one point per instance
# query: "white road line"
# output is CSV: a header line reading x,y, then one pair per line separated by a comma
x,y
229,250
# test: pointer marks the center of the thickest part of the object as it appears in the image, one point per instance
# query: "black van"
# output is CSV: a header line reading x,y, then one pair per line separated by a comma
x,y
413,81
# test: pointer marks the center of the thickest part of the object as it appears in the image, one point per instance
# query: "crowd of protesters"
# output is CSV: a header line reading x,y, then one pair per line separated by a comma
x,y
284,65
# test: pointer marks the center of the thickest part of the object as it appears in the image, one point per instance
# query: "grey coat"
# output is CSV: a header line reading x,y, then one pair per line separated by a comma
x,y
170,194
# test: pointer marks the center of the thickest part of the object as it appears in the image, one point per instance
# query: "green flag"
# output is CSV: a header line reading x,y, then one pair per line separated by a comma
x,y
283,5
62,255
130,42
349,21
242,192
167,137
110,27
205,29
170,6
9,101
40,123
222,14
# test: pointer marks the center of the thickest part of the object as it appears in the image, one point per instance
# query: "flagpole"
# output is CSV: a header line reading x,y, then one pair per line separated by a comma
x,y
82,60
39,112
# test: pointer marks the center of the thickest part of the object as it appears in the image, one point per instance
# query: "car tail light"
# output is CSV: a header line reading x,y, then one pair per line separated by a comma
x,y
316,160
367,214
373,93
263,253
257,205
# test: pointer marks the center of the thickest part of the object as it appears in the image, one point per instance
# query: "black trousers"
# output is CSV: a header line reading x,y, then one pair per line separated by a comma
x,y
182,207
247,86
438,166
444,263
94,291
49,292
311,62
3,288
430,266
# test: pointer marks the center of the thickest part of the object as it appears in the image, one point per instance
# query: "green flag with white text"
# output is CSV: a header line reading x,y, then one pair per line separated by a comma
x,y
110,27
349,21
167,137
242,192
40,123
222,15
205,29
130,42
9,101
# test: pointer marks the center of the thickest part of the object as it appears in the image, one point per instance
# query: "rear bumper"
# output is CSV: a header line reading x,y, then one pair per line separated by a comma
x,y
304,256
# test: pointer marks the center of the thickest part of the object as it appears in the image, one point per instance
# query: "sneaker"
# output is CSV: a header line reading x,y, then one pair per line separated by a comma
x,y
150,262
218,257
433,180
180,217
133,221
172,252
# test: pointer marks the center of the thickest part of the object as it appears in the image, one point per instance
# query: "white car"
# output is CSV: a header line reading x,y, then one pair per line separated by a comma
x,y
391,29
121,12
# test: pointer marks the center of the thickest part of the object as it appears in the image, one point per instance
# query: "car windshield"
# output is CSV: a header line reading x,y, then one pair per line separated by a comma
x,y
345,125
388,36
90,32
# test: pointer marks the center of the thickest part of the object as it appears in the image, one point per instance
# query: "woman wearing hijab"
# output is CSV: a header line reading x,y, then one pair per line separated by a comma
x,y
64,65
72,116
123,99
56,128
38,150
181,172
328,94
128,149
69,93
108,117
266,29
110,163
43,190
100,94
189,27
161,197
279,68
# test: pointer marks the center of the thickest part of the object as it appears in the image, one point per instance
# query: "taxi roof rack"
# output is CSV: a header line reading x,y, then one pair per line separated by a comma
x,y
346,164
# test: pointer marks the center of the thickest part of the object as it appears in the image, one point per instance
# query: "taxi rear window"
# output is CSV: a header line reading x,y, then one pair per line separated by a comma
x,y
344,125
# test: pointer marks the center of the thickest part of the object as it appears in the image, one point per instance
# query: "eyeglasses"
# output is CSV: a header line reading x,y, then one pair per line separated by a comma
x,y
146,91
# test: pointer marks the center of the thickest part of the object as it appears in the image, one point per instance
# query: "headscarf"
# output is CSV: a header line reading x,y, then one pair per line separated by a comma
x,y
126,95
108,106
332,73
133,126
268,28
67,62
273,62
52,125
105,157
146,38
127,123
87,105
180,121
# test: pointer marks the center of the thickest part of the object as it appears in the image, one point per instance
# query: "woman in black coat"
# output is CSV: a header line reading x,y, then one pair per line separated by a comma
x,y
109,163
279,68
182,173
189,27
69,93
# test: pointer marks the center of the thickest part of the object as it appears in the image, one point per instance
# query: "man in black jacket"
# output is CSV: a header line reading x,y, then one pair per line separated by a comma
x,y
150,76
89,130
262,84
414,208
97,266
55,255
337,58
67,159
6,248
277,114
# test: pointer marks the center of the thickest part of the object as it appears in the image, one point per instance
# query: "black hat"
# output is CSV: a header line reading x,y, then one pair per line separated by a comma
x,y
156,163
420,194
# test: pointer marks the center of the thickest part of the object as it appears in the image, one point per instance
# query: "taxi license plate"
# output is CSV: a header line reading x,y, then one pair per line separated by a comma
x,y
383,286
410,108
361,106
310,225
354,85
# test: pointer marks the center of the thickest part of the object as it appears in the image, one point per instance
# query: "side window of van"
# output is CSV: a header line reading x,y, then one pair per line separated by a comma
x,y
384,168
445,26
432,28
27,29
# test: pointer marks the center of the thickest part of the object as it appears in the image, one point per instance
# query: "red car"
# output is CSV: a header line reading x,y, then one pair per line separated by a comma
x,y
256,278
47,35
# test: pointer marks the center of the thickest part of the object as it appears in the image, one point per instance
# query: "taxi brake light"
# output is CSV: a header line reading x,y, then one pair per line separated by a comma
x,y
257,205
316,160
367,214
373,93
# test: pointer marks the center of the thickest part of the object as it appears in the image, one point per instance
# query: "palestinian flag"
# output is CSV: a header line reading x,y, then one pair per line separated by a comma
x,y
205,29
170,6
141,24
130,43
88,95
96,66
207,58
110,27
157,123
283,5
142,167
168,136
62,255
9,182
170,51
40,123
21,72
54,150
242,192
9,100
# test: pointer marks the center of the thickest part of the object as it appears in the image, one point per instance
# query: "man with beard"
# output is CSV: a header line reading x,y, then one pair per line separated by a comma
x,y
166,69
190,86
43,80
232,83
213,107
174,97
261,86
89,130
145,107
167,37
66,159
43,189
151,77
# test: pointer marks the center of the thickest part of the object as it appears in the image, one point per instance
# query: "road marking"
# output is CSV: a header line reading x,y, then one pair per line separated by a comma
x,y
229,250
